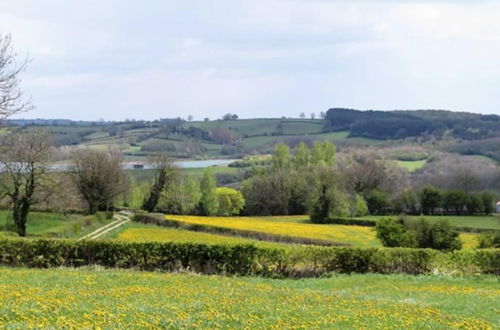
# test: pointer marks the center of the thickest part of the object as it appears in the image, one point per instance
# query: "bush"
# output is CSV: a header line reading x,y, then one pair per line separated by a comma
x,y
230,201
393,233
242,259
441,235
377,202
489,240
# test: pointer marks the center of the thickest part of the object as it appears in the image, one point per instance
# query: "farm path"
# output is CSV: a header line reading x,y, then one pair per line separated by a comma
x,y
121,218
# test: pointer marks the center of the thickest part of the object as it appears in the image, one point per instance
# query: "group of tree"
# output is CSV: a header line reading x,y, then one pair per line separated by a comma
x,y
404,124
440,235
432,201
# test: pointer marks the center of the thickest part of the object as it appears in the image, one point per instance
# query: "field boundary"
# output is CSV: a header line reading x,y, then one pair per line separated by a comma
x,y
160,220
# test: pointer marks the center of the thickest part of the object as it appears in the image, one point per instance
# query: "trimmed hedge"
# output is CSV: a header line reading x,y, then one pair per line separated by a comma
x,y
243,259
347,221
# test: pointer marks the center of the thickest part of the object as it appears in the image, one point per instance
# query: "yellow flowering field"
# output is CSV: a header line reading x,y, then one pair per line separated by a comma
x,y
155,234
119,299
299,226
355,235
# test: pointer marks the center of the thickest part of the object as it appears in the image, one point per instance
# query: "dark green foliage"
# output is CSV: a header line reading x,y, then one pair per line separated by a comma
x,y
441,235
453,201
377,202
488,202
393,233
430,200
489,240
241,259
474,204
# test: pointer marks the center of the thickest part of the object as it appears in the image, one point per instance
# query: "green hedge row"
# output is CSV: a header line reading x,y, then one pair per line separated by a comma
x,y
348,221
243,259
159,220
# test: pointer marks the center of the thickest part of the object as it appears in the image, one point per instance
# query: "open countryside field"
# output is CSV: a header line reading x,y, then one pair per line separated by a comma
x,y
134,232
47,224
97,298
412,165
299,226
483,222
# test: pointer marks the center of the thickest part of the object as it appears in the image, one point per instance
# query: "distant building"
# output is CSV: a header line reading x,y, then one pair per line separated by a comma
x,y
497,209
138,166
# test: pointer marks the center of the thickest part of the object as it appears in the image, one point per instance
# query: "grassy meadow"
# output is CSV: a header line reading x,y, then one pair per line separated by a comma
x,y
482,222
98,298
55,224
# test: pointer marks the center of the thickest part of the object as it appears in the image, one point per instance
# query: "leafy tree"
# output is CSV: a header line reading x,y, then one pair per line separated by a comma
x,y
327,199
23,159
99,177
430,200
301,156
208,200
230,201
281,157
474,204
377,202
488,200
454,201
164,171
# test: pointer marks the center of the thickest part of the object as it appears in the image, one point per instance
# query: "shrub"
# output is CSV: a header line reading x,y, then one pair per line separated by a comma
x,y
489,240
441,235
377,202
393,233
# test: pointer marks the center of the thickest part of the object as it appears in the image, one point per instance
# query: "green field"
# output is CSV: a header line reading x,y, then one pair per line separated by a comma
x,y
482,222
55,225
98,298
412,165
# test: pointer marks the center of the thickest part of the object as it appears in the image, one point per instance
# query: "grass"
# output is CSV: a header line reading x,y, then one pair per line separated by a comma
x,y
56,225
483,222
135,232
412,165
97,298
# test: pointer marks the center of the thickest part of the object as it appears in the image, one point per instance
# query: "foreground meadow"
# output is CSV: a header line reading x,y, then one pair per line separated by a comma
x,y
93,298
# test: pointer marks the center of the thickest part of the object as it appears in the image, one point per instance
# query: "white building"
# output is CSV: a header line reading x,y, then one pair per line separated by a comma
x,y
497,209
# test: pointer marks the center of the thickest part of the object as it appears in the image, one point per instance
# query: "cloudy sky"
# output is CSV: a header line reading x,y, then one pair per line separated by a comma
x,y
117,59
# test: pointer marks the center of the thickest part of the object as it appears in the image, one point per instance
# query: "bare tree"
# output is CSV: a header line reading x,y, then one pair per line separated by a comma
x,y
23,160
99,177
165,171
313,115
12,99
302,115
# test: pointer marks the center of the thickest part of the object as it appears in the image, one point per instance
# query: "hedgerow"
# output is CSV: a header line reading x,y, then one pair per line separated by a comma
x,y
243,259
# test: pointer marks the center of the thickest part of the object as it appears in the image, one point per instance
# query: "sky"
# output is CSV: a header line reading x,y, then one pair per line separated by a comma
x,y
122,59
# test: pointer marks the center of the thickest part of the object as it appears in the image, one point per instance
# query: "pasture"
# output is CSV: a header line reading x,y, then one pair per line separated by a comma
x,y
481,222
98,298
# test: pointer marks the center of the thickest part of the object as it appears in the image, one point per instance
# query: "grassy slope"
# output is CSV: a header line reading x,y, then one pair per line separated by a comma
x,y
69,298
58,225
412,166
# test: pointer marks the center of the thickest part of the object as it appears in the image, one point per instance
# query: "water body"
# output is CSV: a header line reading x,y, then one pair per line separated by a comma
x,y
180,163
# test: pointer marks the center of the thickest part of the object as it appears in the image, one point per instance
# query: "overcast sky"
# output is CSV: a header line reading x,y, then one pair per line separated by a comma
x,y
117,59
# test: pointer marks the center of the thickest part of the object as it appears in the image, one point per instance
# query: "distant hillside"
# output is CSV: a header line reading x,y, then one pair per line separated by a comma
x,y
403,124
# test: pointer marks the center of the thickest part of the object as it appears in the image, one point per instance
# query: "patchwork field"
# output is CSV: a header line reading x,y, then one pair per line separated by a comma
x,y
299,226
133,232
96,298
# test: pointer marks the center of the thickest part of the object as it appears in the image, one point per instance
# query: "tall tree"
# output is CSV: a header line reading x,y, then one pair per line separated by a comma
x,y
208,201
24,159
301,156
164,172
12,99
99,177
281,157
